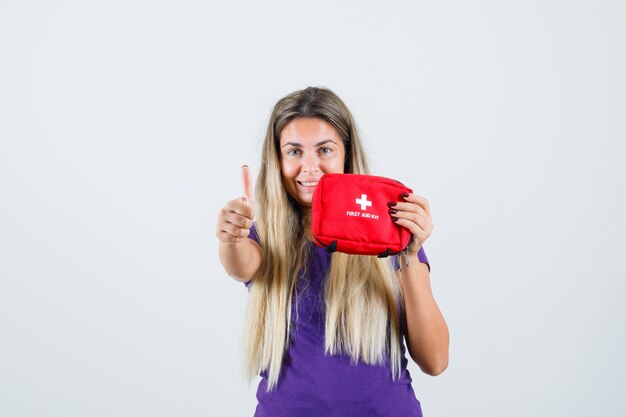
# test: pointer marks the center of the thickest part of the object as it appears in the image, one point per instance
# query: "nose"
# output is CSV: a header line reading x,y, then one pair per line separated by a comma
x,y
310,163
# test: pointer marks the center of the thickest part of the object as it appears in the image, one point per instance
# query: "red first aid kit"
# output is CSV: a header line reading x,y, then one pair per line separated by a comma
x,y
350,215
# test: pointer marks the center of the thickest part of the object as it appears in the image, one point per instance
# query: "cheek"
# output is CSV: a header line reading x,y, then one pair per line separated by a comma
x,y
334,166
288,170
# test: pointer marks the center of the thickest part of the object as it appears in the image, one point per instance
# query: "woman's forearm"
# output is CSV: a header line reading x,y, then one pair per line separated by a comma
x,y
428,339
240,260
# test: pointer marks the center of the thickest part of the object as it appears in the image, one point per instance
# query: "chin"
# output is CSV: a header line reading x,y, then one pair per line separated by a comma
x,y
303,202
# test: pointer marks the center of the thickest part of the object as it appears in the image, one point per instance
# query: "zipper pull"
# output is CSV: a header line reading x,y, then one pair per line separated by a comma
x,y
406,255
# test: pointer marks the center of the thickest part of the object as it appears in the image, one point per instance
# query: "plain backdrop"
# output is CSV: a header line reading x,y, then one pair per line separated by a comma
x,y
123,126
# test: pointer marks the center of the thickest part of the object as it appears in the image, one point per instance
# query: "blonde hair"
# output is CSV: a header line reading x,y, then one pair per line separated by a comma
x,y
361,292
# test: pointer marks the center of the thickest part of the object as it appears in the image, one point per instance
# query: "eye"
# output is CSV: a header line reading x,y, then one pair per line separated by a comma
x,y
293,152
325,150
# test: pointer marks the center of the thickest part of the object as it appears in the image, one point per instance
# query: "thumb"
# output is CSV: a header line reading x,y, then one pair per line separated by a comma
x,y
248,186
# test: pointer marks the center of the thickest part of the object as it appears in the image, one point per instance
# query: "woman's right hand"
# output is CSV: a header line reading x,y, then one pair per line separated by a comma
x,y
235,218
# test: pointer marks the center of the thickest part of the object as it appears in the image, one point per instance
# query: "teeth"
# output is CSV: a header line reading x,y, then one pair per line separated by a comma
x,y
309,184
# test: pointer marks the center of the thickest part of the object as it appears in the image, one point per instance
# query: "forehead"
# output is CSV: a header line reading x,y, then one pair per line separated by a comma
x,y
307,130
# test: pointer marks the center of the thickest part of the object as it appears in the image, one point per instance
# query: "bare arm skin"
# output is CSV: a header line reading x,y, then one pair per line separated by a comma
x,y
241,260
427,336
240,256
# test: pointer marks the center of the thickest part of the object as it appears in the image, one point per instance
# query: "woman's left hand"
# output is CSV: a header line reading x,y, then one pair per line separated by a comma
x,y
414,214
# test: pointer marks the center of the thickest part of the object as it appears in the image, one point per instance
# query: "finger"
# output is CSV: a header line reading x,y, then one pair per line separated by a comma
x,y
414,198
226,238
248,184
411,217
232,230
236,219
239,207
413,228
409,207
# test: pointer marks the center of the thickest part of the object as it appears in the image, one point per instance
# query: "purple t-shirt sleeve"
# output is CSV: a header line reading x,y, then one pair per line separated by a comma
x,y
421,256
253,235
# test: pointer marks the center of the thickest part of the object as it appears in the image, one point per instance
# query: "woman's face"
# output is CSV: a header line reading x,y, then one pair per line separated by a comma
x,y
309,148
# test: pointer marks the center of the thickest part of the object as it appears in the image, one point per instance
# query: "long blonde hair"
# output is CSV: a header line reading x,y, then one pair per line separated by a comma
x,y
362,293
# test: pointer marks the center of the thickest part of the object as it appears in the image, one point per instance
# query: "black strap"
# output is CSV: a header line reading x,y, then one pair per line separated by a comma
x,y
332,247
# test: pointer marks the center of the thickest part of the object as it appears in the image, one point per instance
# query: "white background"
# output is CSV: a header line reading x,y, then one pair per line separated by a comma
x,y
123,125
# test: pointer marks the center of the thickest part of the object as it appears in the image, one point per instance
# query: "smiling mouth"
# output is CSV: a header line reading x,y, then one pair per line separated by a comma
x,y
308,184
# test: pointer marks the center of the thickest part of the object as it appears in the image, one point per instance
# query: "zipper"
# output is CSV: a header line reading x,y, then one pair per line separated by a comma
x,y
404,253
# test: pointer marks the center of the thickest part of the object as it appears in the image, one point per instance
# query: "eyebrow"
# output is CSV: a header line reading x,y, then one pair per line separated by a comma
x,y
317,144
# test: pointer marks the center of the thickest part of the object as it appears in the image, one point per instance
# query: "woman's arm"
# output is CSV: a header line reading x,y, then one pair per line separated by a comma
x,y
241,260
427,332
240,256
427,336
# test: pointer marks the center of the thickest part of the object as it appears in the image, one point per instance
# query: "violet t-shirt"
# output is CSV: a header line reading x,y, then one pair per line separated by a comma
x,y
314,384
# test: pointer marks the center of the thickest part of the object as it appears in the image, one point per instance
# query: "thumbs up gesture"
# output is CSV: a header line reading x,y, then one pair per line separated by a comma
x,y
248,187
235,218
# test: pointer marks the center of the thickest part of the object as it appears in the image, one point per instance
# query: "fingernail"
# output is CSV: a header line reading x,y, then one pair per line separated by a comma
x,y
404,195
392,211
392,203
395,219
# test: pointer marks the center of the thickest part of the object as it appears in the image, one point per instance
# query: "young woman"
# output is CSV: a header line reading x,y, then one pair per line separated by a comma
x,y
325,331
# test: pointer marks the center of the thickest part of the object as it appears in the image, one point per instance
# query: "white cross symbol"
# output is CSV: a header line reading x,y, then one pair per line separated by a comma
x,y
363,202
